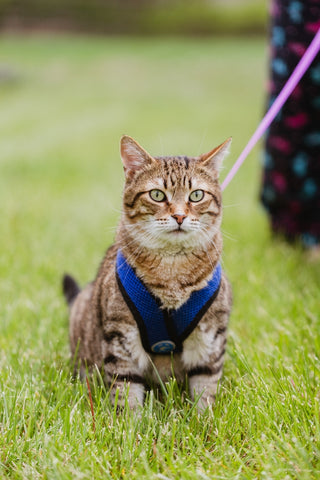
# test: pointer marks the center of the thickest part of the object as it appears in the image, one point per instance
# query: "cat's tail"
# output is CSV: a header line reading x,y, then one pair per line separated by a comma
x,y
70,288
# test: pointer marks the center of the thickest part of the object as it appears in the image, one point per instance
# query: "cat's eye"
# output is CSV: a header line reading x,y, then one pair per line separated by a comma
x,y
196,196
157,195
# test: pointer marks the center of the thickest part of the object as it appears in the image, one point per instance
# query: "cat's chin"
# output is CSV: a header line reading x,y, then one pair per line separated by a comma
x,y
178,241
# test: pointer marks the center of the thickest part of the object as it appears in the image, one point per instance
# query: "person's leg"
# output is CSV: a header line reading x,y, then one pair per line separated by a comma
x,y
291,175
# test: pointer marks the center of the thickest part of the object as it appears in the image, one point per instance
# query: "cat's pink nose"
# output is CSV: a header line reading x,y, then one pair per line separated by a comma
x,y
179,217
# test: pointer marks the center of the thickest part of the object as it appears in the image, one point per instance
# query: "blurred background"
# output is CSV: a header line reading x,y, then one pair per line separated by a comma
x,y
142,17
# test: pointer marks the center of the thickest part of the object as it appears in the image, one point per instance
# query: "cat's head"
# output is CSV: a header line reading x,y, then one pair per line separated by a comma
x,y
171,203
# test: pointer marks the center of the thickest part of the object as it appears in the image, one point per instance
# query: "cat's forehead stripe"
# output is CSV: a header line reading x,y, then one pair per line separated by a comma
x,y
176,171
181,160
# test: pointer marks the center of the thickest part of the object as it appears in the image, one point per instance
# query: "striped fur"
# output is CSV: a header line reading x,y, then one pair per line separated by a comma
x,y
174,246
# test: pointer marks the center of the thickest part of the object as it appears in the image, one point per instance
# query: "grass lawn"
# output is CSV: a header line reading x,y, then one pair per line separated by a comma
x,y
61,117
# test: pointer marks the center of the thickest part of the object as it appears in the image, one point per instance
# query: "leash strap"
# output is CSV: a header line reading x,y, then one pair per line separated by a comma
x,y
288,88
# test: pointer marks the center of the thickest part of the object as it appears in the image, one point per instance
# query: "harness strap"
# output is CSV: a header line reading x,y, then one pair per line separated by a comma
x,y
163,331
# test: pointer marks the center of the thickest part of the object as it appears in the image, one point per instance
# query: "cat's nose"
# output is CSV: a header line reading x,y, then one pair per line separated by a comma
x,y
179,217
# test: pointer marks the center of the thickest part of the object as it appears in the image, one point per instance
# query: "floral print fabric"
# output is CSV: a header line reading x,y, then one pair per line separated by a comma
x,y
291,173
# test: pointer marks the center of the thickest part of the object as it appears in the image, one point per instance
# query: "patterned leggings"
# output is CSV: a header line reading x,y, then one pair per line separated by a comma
x,y
291,173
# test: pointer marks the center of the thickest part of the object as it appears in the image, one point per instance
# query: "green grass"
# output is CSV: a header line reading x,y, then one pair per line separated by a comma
x,y
60,192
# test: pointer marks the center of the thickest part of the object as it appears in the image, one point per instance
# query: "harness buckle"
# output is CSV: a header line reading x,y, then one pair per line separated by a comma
x,y
165,346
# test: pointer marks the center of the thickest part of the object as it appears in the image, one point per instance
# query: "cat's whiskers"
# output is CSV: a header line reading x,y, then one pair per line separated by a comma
x,y
135,239
210,240
136,250
111,228
132,257
147,236
228,235
141,236
231,205
209,258
139,250
136,225
114,209
114,228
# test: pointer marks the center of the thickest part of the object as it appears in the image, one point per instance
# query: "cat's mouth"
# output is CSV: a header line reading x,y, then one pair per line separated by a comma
x,y
178,231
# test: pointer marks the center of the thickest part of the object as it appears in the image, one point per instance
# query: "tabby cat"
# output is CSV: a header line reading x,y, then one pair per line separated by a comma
x,y
160,293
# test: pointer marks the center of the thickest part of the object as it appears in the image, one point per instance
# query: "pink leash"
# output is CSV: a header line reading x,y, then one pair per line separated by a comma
x,y
292,82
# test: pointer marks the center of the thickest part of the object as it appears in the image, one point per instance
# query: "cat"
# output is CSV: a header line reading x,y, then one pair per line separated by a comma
x,y
160,302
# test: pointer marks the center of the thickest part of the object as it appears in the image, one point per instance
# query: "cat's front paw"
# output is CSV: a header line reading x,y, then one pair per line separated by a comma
x,y
203,389
128,390
206,400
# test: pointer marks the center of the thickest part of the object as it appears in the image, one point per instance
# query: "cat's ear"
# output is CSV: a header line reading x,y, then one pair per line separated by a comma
x,y
133,156
214,158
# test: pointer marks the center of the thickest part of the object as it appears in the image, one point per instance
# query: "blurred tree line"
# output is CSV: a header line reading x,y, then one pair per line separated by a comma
x,y
140,17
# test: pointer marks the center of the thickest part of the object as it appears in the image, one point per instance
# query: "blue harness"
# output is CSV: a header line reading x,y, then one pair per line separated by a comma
x,y
163,331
